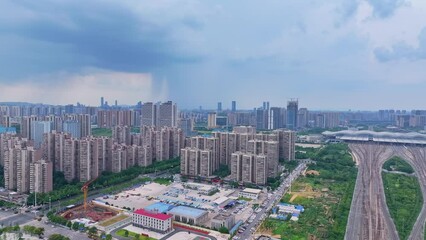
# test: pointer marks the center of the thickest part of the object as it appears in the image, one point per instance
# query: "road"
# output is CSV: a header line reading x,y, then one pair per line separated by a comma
x,y
271,202
369,217
16,219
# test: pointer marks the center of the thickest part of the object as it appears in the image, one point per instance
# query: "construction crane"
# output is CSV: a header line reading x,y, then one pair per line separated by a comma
x,y
85,189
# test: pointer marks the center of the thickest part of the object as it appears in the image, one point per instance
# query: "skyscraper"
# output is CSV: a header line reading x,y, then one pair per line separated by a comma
x,y
234,106
292,111
219,106
102,102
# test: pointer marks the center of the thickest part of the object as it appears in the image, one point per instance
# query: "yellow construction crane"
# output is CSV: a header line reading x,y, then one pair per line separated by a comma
x,y
85,189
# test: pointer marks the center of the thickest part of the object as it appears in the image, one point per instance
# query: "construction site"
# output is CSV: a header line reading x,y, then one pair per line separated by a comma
x,y
90,211
93,212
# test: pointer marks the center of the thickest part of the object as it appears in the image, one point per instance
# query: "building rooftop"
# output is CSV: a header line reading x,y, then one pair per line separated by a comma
x,y
160,216
385,137
159,207
252,190
221,217
187,211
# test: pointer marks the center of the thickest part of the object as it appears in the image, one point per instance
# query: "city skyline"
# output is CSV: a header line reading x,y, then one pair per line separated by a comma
x,y
362,55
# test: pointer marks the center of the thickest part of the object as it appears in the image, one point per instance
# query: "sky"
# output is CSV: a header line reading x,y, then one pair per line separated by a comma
x,y
336,55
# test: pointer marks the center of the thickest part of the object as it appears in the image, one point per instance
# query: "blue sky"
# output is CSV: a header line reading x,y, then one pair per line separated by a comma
x,y
339,54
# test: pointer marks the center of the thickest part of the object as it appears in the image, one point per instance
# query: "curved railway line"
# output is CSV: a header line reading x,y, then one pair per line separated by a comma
x,y
369,217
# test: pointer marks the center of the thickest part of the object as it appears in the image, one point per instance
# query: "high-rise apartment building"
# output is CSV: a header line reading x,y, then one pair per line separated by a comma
x,y
211,120
187,126
149,114
167,114
73,127
196,162
249,168
70,159
121,135
160,114
41,180
119,158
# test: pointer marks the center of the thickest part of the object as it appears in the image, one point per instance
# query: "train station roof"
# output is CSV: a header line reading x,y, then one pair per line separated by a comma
x,y
383,137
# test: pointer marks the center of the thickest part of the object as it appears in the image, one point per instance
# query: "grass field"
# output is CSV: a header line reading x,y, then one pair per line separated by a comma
x,y
325,215
102,132
133,235
404,200
113,220
163,181
326,198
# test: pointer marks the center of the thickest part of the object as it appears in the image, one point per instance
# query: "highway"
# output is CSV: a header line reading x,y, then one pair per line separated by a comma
x,y
369,217
270,202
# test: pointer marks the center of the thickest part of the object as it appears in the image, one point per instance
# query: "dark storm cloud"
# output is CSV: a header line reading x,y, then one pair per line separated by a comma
x,y
100,34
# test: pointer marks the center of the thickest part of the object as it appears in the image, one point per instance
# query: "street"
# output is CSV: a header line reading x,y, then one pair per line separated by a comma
x,y
270,203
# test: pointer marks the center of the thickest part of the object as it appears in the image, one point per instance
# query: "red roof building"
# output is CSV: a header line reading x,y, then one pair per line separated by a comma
x,y
159,216
154,221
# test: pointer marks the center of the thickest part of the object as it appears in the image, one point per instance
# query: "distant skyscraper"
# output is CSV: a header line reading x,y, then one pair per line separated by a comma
x,y
276,117
262,118
292,111
234,106
219,106
39,128
102,102
72,127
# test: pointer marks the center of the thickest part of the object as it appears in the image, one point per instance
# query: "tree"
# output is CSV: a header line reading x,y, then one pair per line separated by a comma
x,y
39,231
108,237
56,236
75,226
81,227
223,229
137,236
69,224
126,233
93,231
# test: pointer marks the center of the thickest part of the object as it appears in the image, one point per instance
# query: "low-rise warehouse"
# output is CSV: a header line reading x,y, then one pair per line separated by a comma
x,y
158,222
159,207
223,220
250,193
189,215
289,208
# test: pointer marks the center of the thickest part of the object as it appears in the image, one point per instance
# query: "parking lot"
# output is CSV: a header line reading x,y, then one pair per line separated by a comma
x,y
50,229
